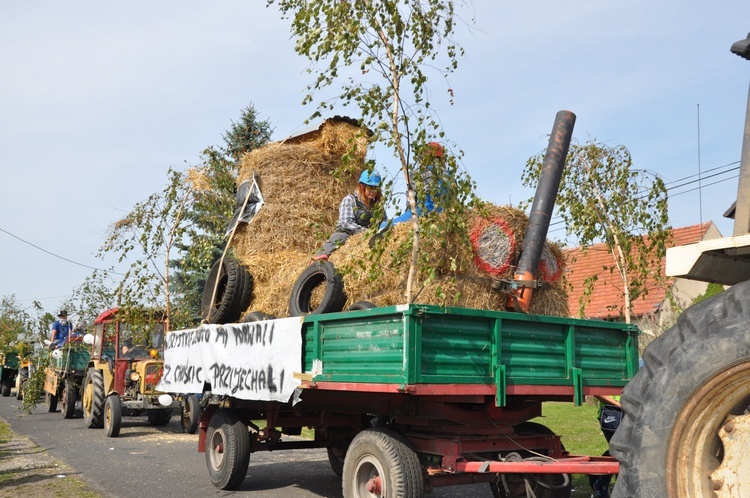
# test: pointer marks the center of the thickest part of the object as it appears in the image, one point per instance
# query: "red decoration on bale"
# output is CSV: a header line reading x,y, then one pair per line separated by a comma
x,y
493,244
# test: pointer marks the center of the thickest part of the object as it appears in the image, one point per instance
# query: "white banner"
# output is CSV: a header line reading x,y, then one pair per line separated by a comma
x,y
254,361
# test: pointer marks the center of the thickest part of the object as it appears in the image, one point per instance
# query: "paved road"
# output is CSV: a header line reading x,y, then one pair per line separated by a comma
x,y
164,462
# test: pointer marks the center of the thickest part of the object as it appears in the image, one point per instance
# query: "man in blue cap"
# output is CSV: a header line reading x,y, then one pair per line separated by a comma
x,y
355,212
60,330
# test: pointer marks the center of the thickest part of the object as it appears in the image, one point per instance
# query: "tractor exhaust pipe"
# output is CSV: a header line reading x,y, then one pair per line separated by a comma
x,y
541,211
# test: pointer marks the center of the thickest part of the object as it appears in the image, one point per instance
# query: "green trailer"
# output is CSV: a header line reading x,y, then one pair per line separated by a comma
x,y
407,398
8,371
64,377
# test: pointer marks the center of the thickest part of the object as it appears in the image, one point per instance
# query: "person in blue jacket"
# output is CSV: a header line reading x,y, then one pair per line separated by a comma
x,y
355,213
60,330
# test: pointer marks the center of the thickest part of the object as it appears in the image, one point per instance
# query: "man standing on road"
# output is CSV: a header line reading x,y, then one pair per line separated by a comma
x,y
60,330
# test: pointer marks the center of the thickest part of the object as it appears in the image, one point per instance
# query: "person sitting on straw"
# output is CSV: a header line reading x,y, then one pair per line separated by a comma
x,y
355,213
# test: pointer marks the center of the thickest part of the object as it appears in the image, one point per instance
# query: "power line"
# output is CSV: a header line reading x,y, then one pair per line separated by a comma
x,y
57,255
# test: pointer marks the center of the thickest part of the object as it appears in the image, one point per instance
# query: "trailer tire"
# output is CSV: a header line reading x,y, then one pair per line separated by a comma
x,y
543,485
6,387
159,418
256,316
336,455
112,415
361,305
191,414
320,272
68,399
93,399
235,285
227,449
381,453
50,401
695,375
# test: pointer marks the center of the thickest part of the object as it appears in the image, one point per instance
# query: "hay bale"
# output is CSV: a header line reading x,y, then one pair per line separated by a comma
x,y
303,182
383,282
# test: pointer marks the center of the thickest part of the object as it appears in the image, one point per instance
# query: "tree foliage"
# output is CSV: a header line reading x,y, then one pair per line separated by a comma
x,y
379,56
171,239
603,198
15,324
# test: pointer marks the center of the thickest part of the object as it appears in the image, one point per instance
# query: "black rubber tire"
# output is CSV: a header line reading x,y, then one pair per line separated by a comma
x,y
227,449
543,485
235,285
6,386
336,457
381,452
318,273
159,418
256,316
191,414
694,375
361,305
50,401
68,399
93,399
112,416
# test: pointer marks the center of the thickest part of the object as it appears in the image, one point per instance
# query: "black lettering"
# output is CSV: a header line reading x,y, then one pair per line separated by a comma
x,y
165,378
223,335
271,386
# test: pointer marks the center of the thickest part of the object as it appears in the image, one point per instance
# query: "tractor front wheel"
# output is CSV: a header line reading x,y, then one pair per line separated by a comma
x,y
50,400
112,416
191,414
227,449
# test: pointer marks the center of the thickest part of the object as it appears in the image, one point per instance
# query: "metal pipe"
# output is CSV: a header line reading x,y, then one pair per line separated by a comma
x,y
541,210
742,207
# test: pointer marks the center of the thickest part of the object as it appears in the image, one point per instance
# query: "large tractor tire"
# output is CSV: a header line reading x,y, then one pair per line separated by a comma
x,y
319,275
6,386
93,399
685,429
112,416
384,462
227,449
68,399
233,286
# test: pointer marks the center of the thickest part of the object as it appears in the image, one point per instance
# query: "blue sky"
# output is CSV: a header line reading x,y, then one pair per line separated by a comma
x,y
98,99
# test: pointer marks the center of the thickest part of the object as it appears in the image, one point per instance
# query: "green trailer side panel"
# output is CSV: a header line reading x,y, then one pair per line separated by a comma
x,y
420,344
74,358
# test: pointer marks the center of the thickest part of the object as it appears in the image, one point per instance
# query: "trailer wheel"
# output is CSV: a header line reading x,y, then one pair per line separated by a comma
x,y
6,387
233,291
336,456
380,462
684,430
191,414
361,305
93,399
68,399
227,449
319,275
159,418
112,415
543,485
50,401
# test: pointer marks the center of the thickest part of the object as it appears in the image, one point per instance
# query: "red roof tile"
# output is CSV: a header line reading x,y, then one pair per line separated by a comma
x,y
607,299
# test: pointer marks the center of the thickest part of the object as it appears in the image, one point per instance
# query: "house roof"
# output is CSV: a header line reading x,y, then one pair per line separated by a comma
x,y
606,296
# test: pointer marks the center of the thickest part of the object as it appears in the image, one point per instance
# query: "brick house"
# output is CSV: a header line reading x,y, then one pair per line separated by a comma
x,y
653,309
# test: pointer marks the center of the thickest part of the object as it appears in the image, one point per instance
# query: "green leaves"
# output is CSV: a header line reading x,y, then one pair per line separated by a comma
x,y
380,54
602,198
